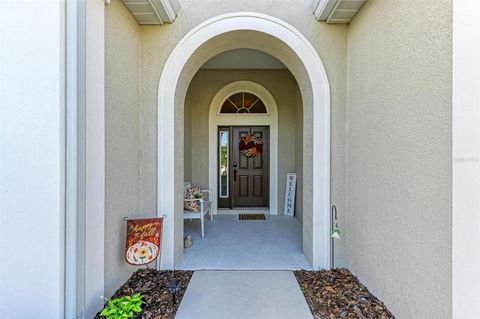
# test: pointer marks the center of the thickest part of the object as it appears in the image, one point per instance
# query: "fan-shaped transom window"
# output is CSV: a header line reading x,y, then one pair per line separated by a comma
x,y
243,102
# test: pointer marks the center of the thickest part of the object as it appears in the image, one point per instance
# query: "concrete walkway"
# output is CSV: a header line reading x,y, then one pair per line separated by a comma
x,y
243,295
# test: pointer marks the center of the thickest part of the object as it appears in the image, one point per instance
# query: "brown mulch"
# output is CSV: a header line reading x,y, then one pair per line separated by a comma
x,y
338,294
152,284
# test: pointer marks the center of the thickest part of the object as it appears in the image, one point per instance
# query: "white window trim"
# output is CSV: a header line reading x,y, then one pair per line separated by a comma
x,y
240,90
216,119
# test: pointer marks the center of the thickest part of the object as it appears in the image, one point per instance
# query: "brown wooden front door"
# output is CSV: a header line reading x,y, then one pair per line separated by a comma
x,y
250,182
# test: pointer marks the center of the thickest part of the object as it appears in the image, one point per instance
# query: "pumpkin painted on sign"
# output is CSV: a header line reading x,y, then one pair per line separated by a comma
x,y
143,240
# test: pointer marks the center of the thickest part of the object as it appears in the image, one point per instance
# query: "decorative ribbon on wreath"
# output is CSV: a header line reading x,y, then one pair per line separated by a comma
x,y
250,145
143,240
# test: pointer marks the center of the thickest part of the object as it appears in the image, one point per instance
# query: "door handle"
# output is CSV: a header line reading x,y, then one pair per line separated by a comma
x,y
234,175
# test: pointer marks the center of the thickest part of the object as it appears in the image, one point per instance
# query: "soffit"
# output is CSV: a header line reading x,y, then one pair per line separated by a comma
x,y
336,11
153,11
165,11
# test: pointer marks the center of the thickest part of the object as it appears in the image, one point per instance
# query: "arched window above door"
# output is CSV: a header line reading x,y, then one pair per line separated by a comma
x,y
243,102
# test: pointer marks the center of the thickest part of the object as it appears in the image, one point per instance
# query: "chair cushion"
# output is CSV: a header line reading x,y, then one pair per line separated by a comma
x,y
193,193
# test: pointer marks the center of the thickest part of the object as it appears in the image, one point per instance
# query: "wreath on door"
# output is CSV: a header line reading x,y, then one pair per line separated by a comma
x,y
250,146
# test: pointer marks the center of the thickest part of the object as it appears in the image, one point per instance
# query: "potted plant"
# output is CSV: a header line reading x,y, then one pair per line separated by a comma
x,y
123,307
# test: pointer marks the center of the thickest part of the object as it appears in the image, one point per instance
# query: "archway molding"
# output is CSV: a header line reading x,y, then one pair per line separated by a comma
x,y
177,73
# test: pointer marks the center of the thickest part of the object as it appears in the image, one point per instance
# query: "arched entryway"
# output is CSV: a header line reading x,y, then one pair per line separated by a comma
x,y
281,40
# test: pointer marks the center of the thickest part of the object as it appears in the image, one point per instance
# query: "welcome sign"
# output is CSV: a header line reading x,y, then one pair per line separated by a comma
x,y
143,240
291,185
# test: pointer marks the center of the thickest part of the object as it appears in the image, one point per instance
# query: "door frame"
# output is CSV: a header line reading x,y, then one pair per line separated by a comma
x,y
231,152
270,119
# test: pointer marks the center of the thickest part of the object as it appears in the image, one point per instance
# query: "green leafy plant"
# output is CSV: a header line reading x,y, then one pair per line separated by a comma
x,y
123,307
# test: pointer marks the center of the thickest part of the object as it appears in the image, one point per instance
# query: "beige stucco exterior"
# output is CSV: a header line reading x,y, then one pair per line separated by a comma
x,y
390,144
399,154
97,124
122,137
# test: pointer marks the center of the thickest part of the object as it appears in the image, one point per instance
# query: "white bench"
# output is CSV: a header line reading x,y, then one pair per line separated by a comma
x,y
205,205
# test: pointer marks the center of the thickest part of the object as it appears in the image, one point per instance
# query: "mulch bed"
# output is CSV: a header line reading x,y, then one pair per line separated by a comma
x,y
152,284
338,294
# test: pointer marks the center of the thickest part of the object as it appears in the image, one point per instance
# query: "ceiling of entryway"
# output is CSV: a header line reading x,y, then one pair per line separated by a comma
x,y
243,59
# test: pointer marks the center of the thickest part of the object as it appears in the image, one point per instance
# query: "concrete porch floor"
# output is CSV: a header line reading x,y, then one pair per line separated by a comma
x,y
230,244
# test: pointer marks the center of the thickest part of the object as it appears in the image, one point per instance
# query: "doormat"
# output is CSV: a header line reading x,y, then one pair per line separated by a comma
x,y
251,217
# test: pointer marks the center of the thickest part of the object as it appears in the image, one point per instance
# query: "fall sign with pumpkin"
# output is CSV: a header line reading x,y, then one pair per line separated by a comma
x,y
143,240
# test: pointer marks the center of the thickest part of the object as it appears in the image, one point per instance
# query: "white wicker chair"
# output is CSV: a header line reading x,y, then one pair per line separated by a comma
x,y
205,205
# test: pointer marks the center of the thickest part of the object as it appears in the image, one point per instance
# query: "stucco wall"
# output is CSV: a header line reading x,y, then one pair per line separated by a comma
x,y
329,40
399,154
122,137
187,150
206,83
